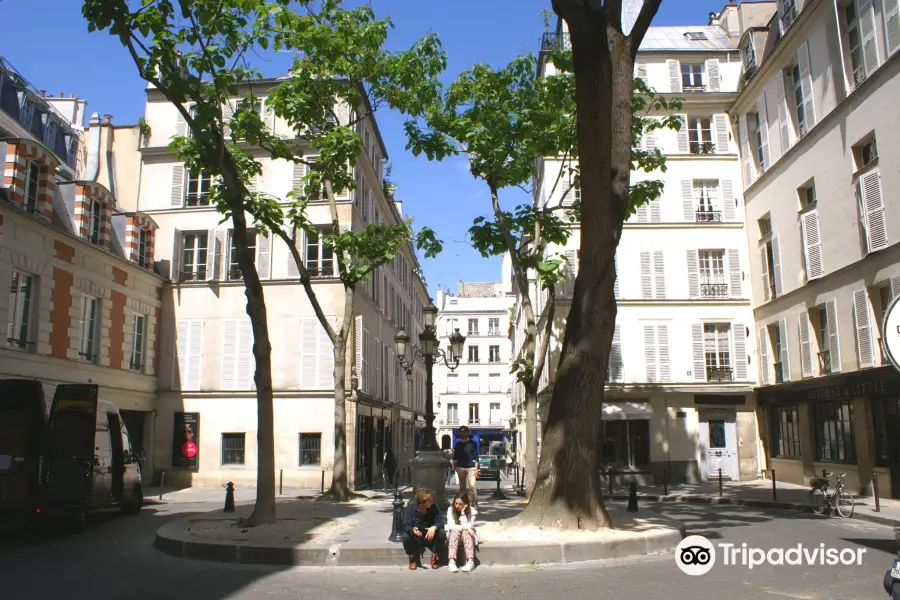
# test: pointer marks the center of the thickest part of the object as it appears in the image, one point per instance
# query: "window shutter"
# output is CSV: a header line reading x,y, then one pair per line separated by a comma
x,y
180,123
833,342
712,75
641,71
650,352
693,273
812,245
655,211
874,205
177,200
214,248
649,141
615,357
643,213
358,348
195,356
776,265
571,270
895,287
268,115
867,31
806,85
229,355
308,351
292,269
891,10
740,351
674,75
177,249
264,255
659,268
721,125
325,357
646,277
297,175
392,375
699,353
682,135
616,267
253,184
687,200
365,380
785,357
763,132
376,356
806,364
746,157
665,373
864,342
783,127
246,362
728,204
735,276
179,373
764,269
762,341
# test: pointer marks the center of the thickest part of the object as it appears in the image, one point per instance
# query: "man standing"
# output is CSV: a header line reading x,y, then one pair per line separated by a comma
x,y
465,462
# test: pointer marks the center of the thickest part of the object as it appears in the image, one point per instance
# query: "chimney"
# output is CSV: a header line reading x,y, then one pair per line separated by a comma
x,y
92,169
43,92
108,119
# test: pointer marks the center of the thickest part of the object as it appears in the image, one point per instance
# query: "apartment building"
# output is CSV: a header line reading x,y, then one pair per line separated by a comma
x,y
815,118
207,367
679,400
84,301
476,393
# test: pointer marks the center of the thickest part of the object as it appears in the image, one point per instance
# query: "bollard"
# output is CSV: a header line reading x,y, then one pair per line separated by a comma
x,y
521,490
323,481
774,491
632,498
875,490
720,483
498,494
229,497
609,476
162,485
397,523
665,482
281,482
408,476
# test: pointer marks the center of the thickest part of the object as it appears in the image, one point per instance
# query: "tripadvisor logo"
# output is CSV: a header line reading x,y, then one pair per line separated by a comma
x,y
696,555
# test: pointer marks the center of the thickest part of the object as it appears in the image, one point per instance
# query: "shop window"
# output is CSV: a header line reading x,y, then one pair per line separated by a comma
x,y
834,431
626,444
886,427
786,432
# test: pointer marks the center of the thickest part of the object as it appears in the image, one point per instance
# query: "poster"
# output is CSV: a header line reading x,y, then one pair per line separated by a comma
x,y
186,440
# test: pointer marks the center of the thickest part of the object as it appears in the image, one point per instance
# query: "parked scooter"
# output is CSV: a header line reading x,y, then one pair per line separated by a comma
x,y
892,575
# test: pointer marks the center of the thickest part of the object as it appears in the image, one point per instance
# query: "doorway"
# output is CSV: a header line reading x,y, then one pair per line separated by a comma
x,y
886,421
718,444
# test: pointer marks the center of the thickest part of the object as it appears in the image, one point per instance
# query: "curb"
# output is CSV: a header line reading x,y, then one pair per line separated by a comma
x,y
768,504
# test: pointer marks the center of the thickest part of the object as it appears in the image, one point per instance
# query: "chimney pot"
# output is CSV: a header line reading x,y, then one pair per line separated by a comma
x,y
108,119
43,92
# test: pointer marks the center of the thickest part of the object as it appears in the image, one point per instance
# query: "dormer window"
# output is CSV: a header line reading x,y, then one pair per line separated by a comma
x,y
50,128
94,212
696,36
142,240
26,109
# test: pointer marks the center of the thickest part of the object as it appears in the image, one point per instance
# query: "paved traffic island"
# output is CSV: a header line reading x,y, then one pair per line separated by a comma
x,y
355,534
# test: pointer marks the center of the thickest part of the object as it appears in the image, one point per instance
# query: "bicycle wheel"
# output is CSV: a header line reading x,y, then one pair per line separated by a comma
x,y
817,501
845,504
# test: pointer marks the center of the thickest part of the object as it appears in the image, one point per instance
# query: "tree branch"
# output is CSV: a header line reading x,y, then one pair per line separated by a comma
x,y
545,333
642,24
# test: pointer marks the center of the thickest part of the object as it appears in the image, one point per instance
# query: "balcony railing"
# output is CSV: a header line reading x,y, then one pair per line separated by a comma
x,y
493,332
199,275
703,148
713,290
825,362
551,42
234,274
709,216
321,273
693,88
719,374
136,363
475,421
453,421
197,199
779,373
473,332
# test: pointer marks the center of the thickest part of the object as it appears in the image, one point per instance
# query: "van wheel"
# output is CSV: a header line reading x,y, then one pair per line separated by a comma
x,y
135,502
77,521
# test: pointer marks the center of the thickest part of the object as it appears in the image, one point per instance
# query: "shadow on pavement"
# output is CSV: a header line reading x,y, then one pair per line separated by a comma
x,y
887,546
710,520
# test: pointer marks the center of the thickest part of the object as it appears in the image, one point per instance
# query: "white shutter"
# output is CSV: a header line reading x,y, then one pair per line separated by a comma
x,y
309,331
214,246
864,343
674,75
687,200
253,184
764,271
699,353
763,132
325,357
177,198
712,75
268,116
721,125
570,269
682,135
392,375
762,341
693,273
812,244
867,31
297,175
177,248
655,211
728,204
785,357
641,71
891,12
376,355
650,352
615,356
735,276
643,213
179,372
292,269
195,356
659,279
776,265
648,139
805,347
833,341
358,348
740,351
783,128
264,255
180,123
246,362
895,287
616,267
806,85
873,202
646,277
229,354
665,373
746,157
365,381
220,256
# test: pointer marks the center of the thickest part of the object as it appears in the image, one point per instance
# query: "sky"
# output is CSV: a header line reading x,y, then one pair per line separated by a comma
x,y
56,53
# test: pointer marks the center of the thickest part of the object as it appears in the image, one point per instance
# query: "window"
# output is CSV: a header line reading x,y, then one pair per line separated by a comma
x,y
473,415
707,195
87,349
855,43
21,297
788,14
771,290
717,347
695,36
885,418
138,334
626,444
194,256
198,184
765,226
807,195
786,430
319,256
495,413
865,153
452,324
234,270
748,54
453,413
760,147
494,354
187,371
32,185
712,274
474,382
494,382
884,296
93,214
493,326
310,449
778,349
26,112
320,192
692,77
834,431
142,241
700,136
473,326
452,383
50,133
799,100
473,354
233,449
824,343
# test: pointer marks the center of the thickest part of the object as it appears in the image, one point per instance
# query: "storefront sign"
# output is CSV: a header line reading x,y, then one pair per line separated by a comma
x,y
186,440
891,335
849,390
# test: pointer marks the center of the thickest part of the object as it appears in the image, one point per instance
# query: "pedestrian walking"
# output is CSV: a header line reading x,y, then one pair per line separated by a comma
x,y
465,463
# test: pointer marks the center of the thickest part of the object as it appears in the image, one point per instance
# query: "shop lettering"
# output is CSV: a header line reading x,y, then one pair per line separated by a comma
x,y
847,391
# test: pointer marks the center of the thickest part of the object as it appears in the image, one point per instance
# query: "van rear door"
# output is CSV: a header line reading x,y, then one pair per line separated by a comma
x,y
73,423
22,429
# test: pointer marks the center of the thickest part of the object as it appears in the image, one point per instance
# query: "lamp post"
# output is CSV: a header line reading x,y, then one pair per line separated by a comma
x,y
429,466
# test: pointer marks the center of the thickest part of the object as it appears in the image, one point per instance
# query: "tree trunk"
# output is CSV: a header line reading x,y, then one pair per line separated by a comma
x,y
567,492
531,461
340,482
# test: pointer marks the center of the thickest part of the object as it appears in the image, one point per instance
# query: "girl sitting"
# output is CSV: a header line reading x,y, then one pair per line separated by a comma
x,y
461,524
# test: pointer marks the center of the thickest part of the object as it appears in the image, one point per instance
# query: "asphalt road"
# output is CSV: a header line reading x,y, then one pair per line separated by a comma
x,y
114,559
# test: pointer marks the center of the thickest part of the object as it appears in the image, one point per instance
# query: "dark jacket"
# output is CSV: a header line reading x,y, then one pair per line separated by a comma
x,y
433,517
466,454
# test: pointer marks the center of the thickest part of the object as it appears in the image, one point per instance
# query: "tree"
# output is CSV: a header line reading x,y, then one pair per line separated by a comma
x,y
195,53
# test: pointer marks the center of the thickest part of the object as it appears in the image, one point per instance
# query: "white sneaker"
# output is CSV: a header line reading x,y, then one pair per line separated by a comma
x,y
452,567
468,567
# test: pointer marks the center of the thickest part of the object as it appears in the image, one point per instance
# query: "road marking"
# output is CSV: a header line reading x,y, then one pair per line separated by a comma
x,y
789,595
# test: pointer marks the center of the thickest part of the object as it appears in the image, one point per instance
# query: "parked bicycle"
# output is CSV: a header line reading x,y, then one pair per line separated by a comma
x,y
840,498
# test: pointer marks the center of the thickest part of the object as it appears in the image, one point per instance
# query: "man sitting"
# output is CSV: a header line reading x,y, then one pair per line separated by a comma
x,y
423,527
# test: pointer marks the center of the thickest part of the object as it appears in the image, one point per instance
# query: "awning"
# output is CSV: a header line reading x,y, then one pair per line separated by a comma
x,y
623,411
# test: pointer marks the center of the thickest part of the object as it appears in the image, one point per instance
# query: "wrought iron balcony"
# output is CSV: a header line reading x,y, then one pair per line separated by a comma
x,y
201,199
234,274
321,273
551,42
825,362
693,88
713,290
453,421
475,421
719,374
709,216
703,148
198,275
779,373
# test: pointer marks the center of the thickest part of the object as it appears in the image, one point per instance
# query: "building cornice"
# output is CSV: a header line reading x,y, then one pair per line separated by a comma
x,y
669,302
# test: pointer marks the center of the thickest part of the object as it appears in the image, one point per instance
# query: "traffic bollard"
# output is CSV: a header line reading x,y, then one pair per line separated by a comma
x,y
162,485
397,523
665,482
323,482
720,483
774,491
609,476
229,497
875,490
281,482
632,498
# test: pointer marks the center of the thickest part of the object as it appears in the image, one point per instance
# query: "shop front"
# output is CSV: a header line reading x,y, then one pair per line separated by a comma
x,y
373,435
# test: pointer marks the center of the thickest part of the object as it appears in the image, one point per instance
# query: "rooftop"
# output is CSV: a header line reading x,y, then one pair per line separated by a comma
x,y
701,38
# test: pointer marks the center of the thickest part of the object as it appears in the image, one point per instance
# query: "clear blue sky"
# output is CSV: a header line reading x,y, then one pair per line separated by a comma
x,y
53,49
